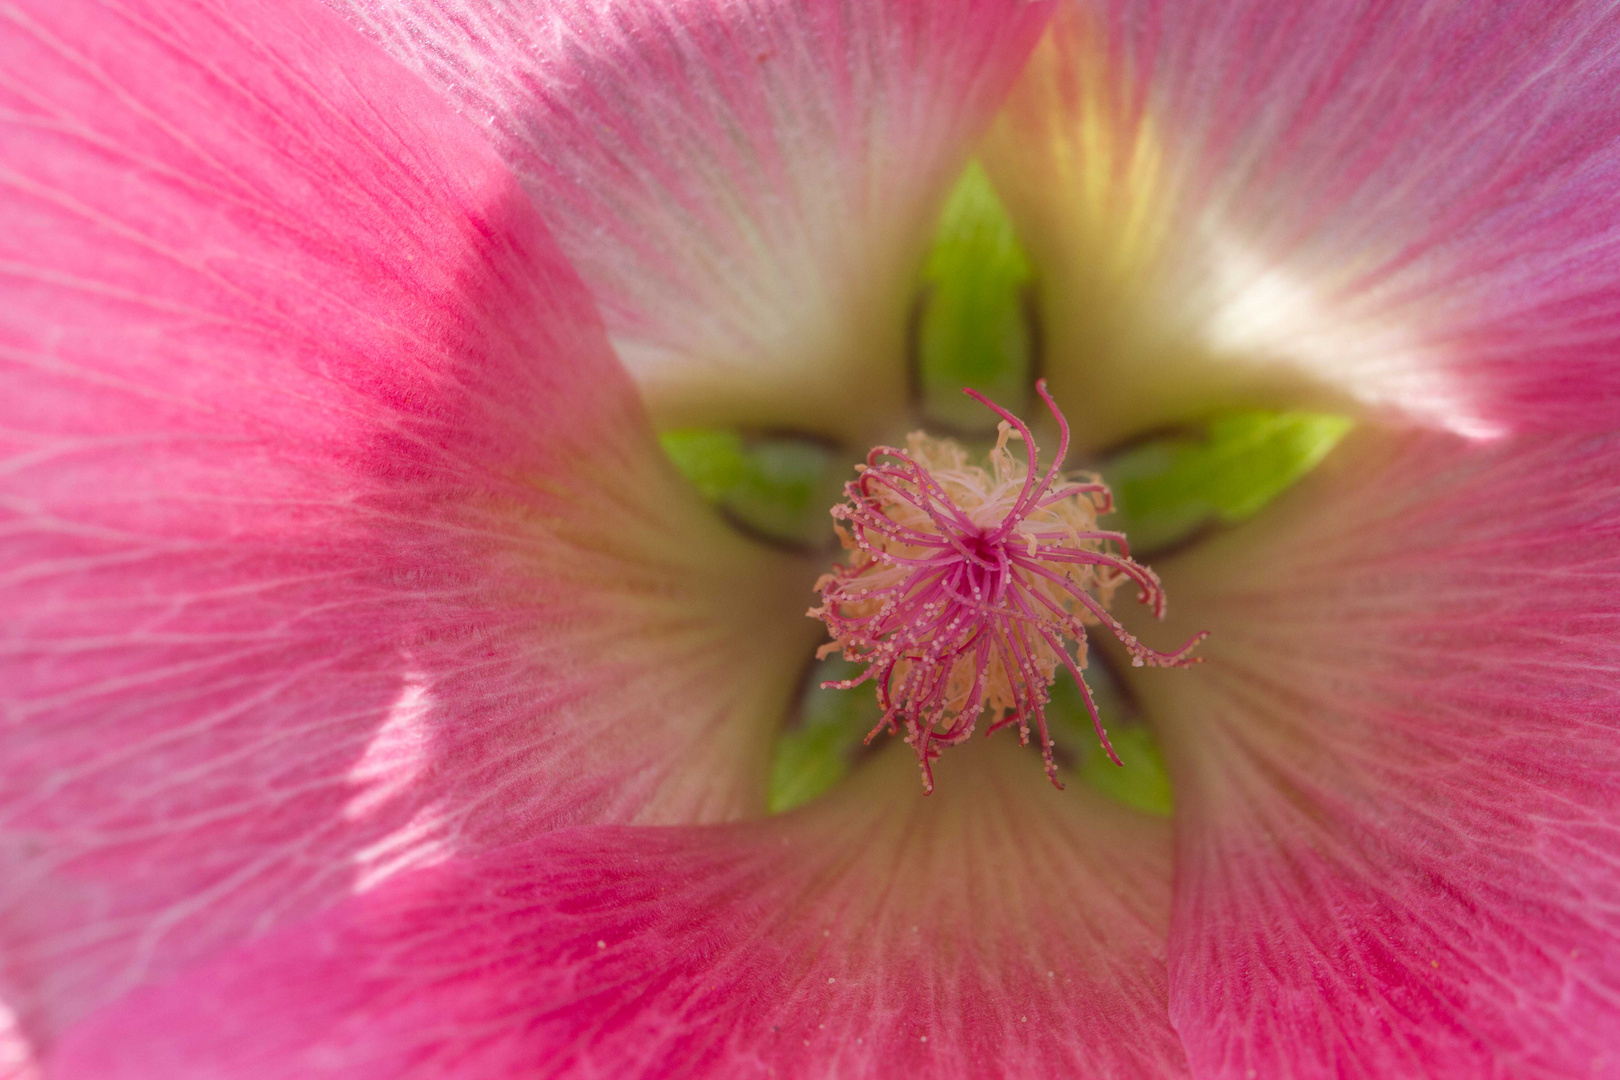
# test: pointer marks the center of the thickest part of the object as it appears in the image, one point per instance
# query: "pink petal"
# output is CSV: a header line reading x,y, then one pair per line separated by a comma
x,y
335,541
996,929
747,186
1399,771
1408,205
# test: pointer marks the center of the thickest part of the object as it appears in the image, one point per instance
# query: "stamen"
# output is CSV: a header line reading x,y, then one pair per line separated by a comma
x,y
964,586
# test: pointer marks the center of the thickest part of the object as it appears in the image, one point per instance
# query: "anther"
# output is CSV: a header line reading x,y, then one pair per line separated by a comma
x,y
964,586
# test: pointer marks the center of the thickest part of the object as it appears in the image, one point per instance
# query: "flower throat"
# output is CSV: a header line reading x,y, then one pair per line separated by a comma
x,y
964,585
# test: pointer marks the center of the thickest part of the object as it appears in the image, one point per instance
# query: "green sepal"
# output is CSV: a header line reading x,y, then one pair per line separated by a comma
x,y
1140,780
777,486
815,752
1169,488
975,324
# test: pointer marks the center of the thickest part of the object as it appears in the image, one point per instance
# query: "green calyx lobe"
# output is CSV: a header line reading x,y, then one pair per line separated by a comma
x,y
776,487
1169,489
974,323
817,750
823,743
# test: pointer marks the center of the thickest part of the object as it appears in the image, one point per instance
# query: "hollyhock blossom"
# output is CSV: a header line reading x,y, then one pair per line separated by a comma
x,y
378,703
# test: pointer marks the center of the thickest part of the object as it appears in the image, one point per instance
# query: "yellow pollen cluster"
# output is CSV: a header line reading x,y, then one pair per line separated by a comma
x,y
965,586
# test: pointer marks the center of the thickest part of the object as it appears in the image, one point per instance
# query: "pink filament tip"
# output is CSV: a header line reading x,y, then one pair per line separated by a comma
x,y
965,585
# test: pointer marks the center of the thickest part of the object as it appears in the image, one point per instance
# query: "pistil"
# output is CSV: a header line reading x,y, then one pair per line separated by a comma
x,y
964,587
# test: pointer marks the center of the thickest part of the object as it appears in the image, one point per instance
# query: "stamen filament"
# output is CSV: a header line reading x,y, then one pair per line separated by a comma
x,y
965,585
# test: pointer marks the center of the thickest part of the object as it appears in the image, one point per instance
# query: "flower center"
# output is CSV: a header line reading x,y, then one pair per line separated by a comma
x,y
964,587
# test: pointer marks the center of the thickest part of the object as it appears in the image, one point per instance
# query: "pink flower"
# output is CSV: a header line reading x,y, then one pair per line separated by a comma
x,y
379,704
